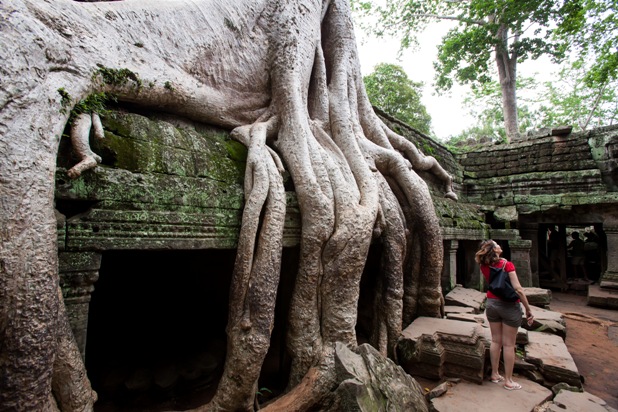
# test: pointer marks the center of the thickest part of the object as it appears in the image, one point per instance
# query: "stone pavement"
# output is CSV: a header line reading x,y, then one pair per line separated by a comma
x,y
490,397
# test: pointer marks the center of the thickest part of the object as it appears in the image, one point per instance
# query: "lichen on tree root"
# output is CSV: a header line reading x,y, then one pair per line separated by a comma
x,y
293,94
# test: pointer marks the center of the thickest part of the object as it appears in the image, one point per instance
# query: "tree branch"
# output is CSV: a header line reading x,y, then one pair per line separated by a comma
x,y
594,107
454,18
514,54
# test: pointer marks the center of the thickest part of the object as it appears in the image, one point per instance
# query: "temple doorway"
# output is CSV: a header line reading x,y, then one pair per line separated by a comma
x,y
571,253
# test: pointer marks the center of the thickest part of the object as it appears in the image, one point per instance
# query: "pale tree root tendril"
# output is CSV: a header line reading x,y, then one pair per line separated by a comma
x,y
80,134
256,272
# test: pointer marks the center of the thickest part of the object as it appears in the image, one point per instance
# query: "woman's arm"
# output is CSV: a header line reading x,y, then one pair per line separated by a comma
x,y
522,296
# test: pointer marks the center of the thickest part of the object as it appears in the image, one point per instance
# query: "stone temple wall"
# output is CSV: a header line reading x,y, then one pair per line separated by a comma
x,y
540,172
168,185
551,179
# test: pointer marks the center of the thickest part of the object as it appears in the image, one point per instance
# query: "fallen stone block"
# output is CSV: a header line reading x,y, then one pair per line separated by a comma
x,y
538,297
468,317
550,354
568,401
437,348
546,321
457,309
609,284
562,386
369,381
532,374
439,390
470,298
602,298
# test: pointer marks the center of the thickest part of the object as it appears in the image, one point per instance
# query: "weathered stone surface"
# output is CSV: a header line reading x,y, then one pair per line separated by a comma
x,y
608,284
550,354
532,374
78,273
543,172
439,390
602,297
437,348
561,130
546,321
448,309
470,298
489,397
162,185
562,386
468,317
538,297
371,382
567,401
543,154
458,215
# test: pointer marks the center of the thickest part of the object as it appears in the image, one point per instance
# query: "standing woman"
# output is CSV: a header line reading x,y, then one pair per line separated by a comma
x,y
504,317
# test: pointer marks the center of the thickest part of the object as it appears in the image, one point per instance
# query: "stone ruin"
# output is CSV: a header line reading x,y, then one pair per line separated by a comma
x,y
147,239
456,349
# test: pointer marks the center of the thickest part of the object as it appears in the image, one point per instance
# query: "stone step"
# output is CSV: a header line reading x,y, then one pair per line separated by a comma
x,y
550,354
437,348
602,297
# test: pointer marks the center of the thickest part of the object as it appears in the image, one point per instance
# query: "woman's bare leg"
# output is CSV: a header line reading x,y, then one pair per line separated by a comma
x,y
495,348
509,334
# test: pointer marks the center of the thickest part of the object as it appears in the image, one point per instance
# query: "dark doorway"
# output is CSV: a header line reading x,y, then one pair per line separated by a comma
x,y
560,263
156,328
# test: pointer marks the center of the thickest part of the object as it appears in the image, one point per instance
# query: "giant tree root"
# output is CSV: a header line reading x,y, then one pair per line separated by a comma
x,y
298,100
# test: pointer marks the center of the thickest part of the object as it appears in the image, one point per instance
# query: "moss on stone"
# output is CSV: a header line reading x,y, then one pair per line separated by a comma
x,y
159,186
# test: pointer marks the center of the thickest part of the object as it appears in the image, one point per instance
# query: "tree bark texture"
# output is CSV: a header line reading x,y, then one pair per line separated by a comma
x,y
507,75
284,77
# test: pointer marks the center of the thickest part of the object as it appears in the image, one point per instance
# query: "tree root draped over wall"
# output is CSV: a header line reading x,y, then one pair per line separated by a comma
x,y
292,91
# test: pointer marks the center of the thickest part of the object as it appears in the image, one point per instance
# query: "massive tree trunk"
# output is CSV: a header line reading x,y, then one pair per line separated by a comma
x,y
284,75
507,76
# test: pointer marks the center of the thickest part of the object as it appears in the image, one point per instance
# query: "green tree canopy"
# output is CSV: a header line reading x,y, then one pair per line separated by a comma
x,y
591,27
390,89
493,36
574,100
567,100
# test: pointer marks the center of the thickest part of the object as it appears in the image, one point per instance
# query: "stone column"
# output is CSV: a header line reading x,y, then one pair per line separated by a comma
x,y
532,234
609,279
449,270
520,256
78,272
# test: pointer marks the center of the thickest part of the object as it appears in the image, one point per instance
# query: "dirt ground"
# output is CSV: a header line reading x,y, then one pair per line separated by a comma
x,y
592,340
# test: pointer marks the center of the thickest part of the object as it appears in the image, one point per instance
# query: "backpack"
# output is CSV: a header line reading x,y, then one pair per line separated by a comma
x,y
500,284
